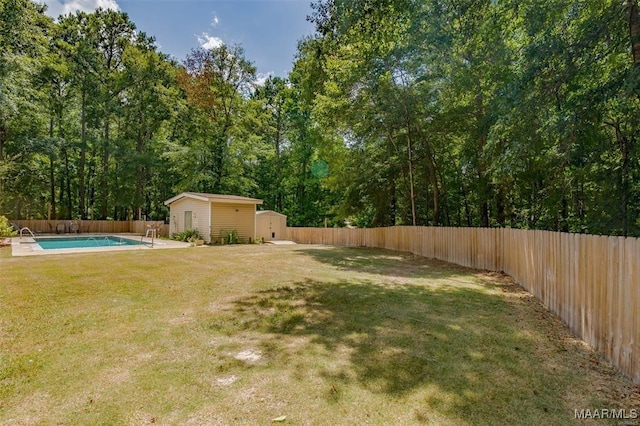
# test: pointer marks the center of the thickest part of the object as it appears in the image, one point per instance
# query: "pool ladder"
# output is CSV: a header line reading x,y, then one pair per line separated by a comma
x,y
153,236
28,230
106,239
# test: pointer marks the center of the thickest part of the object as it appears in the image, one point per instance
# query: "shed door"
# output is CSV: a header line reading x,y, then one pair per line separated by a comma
x,y
271,229
188,220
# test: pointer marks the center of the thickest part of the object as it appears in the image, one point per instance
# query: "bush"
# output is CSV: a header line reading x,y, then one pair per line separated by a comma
x,y
6,230
228,237
187,236
232,237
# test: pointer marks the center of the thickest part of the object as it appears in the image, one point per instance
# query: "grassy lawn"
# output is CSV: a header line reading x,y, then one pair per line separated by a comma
x,y
249,334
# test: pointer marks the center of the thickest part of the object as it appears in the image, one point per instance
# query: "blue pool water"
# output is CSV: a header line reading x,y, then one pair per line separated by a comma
x,y
85,242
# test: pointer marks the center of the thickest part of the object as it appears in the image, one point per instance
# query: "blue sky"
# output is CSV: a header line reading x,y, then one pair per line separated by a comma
x,y
267,29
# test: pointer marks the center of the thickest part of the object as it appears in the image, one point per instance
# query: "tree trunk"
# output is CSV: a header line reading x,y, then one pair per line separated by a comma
x,y
626,143
393,203
485,189
411,189
139,169
484,213
104,180
564,214
61,197
278,162
3,138
220,154
82,211
91,190
433,177
52,181
633,14
467,210
500,206
68,181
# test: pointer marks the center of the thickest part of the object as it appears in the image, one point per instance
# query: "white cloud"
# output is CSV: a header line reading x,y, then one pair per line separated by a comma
x,y
262,77
56,8
214,21
209,42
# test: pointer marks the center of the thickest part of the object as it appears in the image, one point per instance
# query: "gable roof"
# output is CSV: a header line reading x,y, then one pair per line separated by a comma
x,y
268,212
215,198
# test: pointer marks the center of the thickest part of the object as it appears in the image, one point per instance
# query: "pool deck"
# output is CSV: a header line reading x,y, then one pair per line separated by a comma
x,y
27,246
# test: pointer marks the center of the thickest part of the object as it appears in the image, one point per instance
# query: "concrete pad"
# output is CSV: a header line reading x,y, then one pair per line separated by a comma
x,y
280,242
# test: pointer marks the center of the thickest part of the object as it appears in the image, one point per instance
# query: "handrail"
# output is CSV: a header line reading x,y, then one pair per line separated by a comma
x,y
28,230
142,237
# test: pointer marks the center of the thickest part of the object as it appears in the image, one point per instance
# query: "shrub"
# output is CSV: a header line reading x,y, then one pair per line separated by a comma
x,y
6,230
189,235
232,237
228,237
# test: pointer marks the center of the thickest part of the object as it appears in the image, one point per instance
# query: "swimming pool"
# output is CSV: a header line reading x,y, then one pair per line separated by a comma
x,y
88,243
57,243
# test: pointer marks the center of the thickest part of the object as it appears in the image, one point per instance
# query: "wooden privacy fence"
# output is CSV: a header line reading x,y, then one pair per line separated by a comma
x,y
591,282
91,226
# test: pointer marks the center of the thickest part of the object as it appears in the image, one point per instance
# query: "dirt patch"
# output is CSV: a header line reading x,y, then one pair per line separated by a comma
x,y
143,418
183,319
116,375
32,409
227,380
248,355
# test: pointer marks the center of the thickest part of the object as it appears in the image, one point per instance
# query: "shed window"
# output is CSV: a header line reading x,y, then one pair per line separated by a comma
x,y
188,220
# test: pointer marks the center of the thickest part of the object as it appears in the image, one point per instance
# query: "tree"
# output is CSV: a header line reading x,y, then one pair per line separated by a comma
x,y
23,39
148,102
217,83
276,97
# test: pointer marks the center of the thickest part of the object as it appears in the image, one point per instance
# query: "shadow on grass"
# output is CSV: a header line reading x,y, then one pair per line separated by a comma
x,y
458,348
383,262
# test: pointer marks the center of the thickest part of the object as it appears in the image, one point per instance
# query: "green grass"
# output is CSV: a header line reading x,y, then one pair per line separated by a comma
x,y
321,335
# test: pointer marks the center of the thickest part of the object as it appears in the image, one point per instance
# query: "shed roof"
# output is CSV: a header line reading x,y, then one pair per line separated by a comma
x,y
268,212
215,198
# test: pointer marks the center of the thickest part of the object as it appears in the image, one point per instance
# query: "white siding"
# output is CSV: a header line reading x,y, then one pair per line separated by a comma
x,y
200,216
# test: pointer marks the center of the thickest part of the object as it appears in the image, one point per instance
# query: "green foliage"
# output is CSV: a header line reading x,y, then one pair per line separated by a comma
x,y
228,237
513,113
108,127
190,235
6,230
232,237
508,113
216,143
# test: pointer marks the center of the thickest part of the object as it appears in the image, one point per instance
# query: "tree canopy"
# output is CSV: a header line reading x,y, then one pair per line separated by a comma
x,y
482,113
433,112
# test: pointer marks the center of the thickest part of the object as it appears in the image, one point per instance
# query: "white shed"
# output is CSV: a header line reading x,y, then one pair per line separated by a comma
x,y
213,215
270,225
